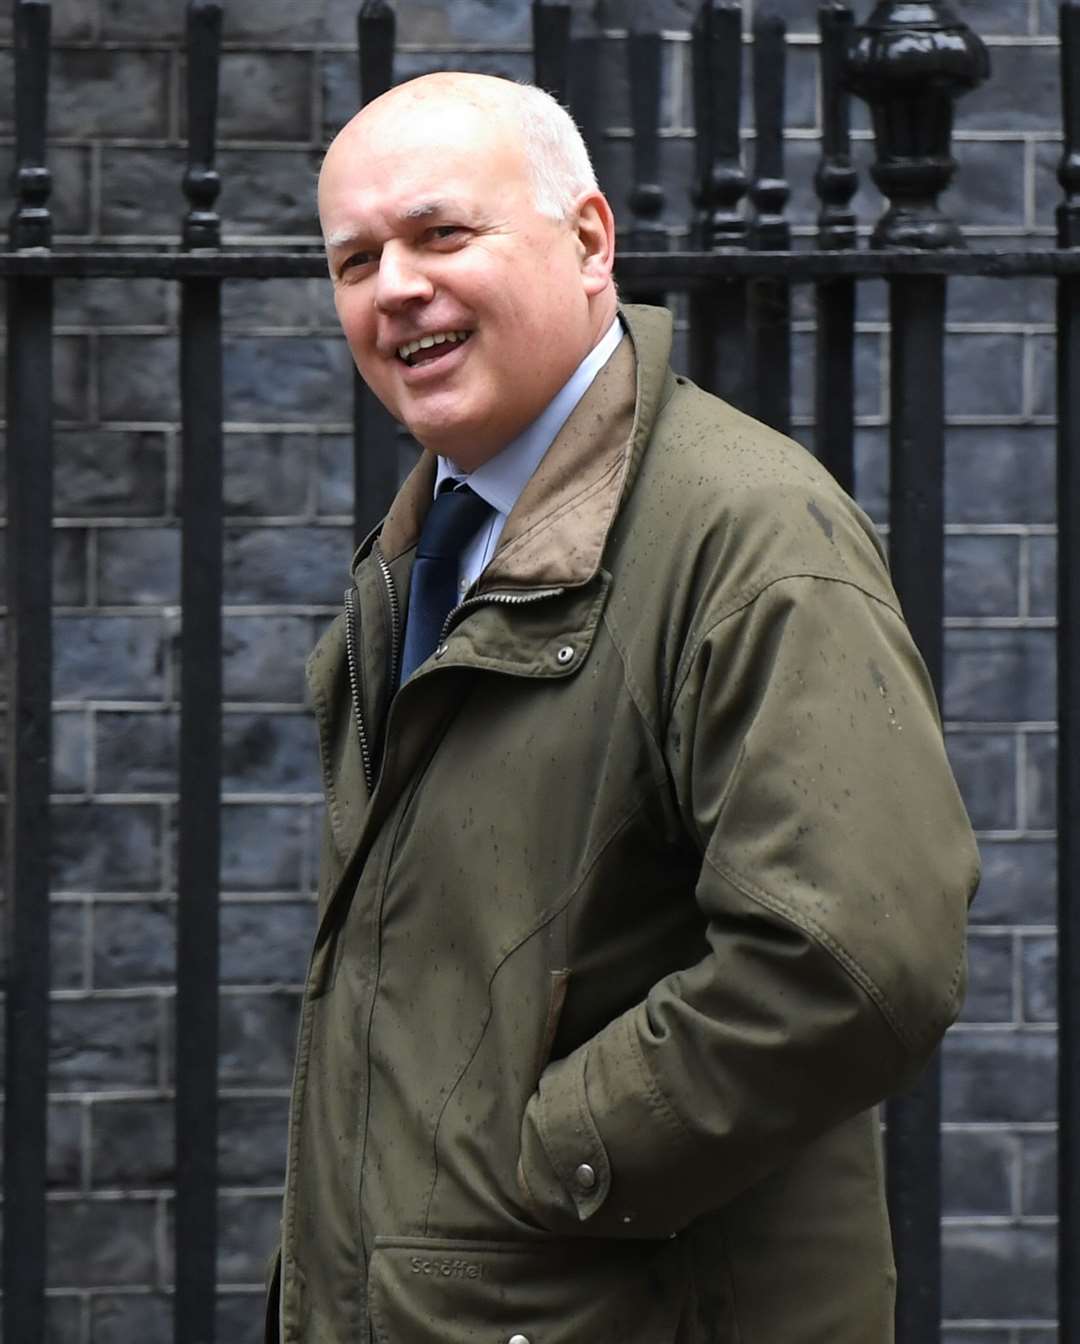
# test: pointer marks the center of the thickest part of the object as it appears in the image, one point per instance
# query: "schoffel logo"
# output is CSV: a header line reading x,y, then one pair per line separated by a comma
x,y
446,1269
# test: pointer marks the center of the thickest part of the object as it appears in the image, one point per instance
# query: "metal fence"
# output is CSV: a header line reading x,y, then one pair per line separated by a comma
x,y
909,62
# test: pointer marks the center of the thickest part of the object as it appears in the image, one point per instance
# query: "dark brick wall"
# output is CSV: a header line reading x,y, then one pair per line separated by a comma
x,y
288,81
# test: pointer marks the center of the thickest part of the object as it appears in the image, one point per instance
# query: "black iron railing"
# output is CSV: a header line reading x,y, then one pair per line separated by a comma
x,y
737,276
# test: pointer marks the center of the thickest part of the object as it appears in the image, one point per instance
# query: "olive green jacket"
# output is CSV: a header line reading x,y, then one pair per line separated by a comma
x,y
635,900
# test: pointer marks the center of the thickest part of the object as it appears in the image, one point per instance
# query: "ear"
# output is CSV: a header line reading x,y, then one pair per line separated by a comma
x,y
594,225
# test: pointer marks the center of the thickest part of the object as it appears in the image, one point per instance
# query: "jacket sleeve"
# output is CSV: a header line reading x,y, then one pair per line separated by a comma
x,y
837,863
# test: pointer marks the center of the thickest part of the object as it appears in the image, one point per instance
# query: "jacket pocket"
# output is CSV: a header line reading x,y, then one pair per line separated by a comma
x,y
443,1291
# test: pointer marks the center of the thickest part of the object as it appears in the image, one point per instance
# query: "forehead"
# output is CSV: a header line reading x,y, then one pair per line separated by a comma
x,y
417,159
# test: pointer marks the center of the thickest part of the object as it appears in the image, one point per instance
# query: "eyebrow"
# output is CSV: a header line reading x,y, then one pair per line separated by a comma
x,y
422,210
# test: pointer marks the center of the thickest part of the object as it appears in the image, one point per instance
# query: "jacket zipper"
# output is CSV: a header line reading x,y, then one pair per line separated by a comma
x,y
350,649
483,599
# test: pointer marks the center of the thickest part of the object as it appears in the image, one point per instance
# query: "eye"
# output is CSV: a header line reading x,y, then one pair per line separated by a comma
x,y
358,261
442,233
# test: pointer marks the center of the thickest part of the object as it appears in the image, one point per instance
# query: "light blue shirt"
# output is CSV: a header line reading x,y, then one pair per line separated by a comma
x,y
502,478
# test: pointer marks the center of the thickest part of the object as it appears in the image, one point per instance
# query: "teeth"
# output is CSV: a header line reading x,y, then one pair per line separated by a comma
x,y
407,351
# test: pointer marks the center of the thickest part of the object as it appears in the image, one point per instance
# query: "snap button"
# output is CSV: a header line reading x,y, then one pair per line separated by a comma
x,y
585,1176
565,653
440,651
517,1339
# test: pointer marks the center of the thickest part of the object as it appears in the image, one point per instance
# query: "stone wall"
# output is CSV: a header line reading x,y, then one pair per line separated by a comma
x,y
288,80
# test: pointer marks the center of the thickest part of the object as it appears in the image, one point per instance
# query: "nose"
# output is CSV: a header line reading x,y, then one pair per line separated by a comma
x,y
401,279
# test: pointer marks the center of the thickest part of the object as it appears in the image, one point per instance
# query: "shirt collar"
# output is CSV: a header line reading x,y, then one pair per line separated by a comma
x,y
502,478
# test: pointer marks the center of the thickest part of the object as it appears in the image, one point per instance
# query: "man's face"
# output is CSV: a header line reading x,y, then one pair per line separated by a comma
x,y
432,236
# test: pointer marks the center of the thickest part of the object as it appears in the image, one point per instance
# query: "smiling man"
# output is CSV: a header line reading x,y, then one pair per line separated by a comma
x,y
644,875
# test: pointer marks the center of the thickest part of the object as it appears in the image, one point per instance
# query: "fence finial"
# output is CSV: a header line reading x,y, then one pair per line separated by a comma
x,y
1068,212
31,222
835,180
375,31
202,227
769,189
646,199
551,48
717,57
910,61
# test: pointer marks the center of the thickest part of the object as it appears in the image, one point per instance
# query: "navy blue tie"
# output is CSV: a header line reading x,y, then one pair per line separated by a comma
x,y
452,521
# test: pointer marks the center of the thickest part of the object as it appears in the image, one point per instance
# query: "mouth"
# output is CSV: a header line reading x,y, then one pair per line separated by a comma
x,y
434,346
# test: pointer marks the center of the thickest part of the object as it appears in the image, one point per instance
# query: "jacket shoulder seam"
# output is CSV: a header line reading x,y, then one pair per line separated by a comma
x,y
748,596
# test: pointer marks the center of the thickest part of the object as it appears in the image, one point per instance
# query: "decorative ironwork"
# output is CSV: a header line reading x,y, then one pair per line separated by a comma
x,y
202,227
721,180
910,61
31,222
551,48
375,29
835,180
646,198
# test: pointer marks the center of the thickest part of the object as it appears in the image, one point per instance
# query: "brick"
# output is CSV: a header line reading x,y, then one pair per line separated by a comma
x,y
430,21
1047,14
134,944
1042,576
990,973
988,17
103,92
1020,299
982,373
269,191
982,576
69,567
265,943
67,945
977,1337
1044,375
251,1140
977,1170
272,21
993,1272
294,564
1000,675
1040,778
92,1244
132,1143
103,1043
989,107
335,475
264,96
240,1317
985,769
287,378
138,566
63,1319
64,1146
872,472
106,847
72,20
1019,882
269,753
69,199
1038,970
155,20
999,1075
119,1319
1038,1174
113,302
267,474
136,752
1048,194
110,472
999,474
118,657
257,1039
140,191
71,378
249,1228
282,302
264,657
70,762
139,378
263,847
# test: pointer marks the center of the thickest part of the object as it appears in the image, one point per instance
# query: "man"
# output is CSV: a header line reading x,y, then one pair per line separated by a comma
x,y
645,875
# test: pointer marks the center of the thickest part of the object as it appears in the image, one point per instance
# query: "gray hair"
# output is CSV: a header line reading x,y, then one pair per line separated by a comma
x,y
555,151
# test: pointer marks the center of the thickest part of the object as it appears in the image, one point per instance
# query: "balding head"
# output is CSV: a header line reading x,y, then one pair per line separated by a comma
x,y
461,210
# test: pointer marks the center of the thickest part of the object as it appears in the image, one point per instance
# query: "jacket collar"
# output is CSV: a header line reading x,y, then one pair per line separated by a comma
x,y
556,532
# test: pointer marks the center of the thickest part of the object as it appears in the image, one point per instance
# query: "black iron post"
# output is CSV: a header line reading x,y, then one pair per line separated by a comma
x,y
199,844
29,695
769,309
375,434
551,48
644,49
835,182
1068,661
718,358
910,61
